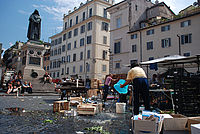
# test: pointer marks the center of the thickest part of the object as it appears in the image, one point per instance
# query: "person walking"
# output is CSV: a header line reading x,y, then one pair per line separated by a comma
x,y
106,87
137,76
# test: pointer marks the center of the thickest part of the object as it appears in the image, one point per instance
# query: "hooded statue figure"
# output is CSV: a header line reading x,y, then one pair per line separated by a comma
x,y
34,27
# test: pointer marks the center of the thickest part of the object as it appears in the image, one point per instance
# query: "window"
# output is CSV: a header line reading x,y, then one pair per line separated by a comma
x,y
82,28
88,67
134,48
165,28
68,58
104,39
151,58
51,53
134,36
58,74
63,59
104,54
76,32
47,67
67,70
89,39
136,7
45,58
166,42
104,26
186,54
83,16
90,12
59,50
48,58
63,48
69,34
64,37
133,62
187,38
74,44
54,64
103,68
52,43
65,25
60,40
117,65
81,55
89,26
62,71
186,23
149,32
54,74
81,69
74,57
55,52
56,41
51,64
70,24
82,42
74,69
104,13
88,54
149,45
69,46
117,47
76,19
58,64
118,22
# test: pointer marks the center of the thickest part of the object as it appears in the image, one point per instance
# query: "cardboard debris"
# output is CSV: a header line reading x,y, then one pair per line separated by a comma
x,y
178,122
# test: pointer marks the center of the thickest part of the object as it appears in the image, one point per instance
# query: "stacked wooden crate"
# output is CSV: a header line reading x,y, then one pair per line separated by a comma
x,y
61,106
89,109
94,83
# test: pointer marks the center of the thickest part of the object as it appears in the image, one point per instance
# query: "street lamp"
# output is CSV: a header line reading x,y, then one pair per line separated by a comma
x,y
179,44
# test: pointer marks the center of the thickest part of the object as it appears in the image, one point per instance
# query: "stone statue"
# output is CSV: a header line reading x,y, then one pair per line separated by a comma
x,y
34,28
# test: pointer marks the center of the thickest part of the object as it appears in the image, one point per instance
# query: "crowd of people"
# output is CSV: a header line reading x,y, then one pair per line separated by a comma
x,y
16,85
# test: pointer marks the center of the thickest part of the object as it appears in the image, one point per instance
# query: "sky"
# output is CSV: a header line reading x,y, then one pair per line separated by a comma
x,y
15,14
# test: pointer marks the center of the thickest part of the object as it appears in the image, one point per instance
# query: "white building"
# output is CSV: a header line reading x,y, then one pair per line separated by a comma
x,y
156,33
82,46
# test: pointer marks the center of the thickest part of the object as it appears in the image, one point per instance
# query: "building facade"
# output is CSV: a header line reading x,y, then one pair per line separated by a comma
x,y
161,33
124,16
82,47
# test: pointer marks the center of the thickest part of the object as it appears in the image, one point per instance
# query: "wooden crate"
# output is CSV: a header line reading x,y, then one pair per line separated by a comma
x,y
76,100
86,110
92,92
59,106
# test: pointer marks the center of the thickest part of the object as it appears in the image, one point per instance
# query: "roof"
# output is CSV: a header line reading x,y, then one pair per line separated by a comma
x,y
190,15
162,4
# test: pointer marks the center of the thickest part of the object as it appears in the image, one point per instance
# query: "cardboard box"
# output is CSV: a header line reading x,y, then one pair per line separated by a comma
x,y
193,120
86,110
195,128
178,122
147,126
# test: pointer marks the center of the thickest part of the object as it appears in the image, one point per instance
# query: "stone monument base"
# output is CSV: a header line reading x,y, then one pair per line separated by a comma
x,y
33,73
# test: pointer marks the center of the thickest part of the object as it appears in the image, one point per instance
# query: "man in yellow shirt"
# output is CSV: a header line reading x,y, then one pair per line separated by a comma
x,y
137,76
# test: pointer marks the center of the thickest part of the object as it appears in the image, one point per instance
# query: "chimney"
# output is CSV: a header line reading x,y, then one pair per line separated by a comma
x,y
69,11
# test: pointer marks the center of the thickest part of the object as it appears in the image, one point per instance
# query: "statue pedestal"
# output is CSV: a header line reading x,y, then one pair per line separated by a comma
x,y
32,60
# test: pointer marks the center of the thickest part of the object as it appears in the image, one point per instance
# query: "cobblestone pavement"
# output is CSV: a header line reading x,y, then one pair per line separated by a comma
x,y
36,115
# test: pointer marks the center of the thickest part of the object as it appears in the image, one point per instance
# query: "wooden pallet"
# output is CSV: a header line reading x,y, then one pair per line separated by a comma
x,y
59,106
